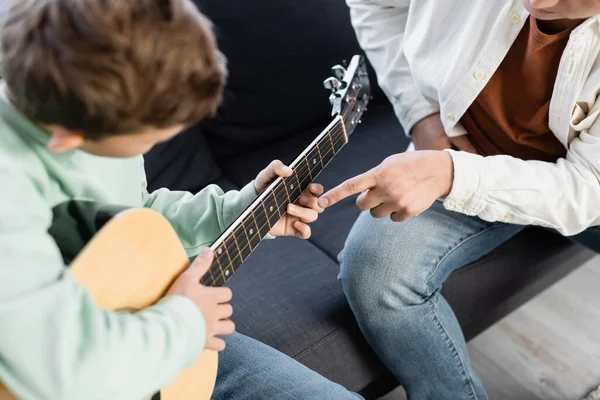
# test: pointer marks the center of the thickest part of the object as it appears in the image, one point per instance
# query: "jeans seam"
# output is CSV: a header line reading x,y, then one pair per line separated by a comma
x,y
465,376
454,247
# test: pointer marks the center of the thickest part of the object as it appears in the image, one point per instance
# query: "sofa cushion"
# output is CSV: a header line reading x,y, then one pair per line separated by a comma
x,y
287,296
279,52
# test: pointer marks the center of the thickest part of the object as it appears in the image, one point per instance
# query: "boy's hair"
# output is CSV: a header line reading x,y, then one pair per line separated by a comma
x,y
109,67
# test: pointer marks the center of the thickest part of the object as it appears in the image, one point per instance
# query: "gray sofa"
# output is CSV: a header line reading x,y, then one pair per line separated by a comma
x,y
287,294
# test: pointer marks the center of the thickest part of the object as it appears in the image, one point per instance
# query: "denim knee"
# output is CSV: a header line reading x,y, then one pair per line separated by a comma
x,y
380,269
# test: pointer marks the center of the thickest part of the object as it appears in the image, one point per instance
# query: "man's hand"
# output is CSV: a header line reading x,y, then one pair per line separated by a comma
x,y
212,302
429,134
300,214
403,185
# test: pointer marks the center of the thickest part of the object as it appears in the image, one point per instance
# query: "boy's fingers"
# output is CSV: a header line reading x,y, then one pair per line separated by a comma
x,y
214,343
316,189
222,294
305,214
279,169
226,327
225,311
302,230
310,202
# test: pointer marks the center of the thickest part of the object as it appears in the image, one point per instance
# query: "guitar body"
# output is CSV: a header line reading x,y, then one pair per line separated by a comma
x,y
129,265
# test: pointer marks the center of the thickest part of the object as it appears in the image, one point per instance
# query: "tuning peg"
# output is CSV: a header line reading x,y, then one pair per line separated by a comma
x,y
332,98
338,71
332,84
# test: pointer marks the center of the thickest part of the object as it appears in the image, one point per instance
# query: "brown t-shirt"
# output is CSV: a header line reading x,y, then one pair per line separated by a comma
x,y
510,115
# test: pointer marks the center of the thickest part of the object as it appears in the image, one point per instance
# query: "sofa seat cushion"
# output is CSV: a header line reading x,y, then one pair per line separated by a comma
x,y
287,296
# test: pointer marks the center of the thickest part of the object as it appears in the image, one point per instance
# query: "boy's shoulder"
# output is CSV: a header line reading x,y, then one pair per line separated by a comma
x,y
19,155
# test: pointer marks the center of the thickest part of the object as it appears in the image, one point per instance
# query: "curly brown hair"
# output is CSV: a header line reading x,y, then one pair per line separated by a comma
x,y
109,67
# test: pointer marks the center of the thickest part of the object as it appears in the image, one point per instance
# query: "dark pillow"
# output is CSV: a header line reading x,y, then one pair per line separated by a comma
x,y
279,52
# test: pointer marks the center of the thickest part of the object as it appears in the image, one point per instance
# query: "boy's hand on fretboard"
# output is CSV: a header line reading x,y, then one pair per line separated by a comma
x,y
298,215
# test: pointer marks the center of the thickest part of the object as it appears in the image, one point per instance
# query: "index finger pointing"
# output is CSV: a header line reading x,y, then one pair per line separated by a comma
x,y
355,185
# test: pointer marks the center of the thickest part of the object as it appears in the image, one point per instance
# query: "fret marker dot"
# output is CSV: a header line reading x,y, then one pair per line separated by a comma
x,y
220,251
314,160
292,186
271,208
252,231
226,272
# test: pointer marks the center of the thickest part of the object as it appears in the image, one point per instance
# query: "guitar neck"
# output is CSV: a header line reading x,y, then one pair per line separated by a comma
x,y
245,233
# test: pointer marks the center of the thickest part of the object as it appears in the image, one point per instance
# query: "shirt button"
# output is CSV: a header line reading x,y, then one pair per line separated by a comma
x,y
460,205
479,75
508,218
515,19
451,117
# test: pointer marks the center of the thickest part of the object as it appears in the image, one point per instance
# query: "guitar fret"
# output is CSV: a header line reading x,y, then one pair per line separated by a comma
x,y
237,245
214,282
225,272
276,203
208,277
309,171
331,141
320,157
266,215
256,233
299,184
247,237
328,155
258,229
287,193
221,267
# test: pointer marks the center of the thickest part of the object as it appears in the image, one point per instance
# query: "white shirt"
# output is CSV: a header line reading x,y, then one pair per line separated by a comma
x,y
437,55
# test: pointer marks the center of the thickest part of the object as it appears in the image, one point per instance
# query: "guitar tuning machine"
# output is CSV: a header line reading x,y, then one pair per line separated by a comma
x,y
338,71
332,84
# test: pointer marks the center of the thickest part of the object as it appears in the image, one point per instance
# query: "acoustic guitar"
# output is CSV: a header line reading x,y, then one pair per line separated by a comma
x,y
135,257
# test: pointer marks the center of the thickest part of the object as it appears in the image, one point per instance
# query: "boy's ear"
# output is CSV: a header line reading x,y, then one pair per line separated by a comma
x,y
63,140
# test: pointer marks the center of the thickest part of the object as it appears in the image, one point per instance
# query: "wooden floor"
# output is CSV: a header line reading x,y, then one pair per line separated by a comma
x,y
549,349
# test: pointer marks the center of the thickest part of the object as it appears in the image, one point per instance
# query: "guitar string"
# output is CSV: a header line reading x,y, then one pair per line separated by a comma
x,y
240,231
281,212
227,257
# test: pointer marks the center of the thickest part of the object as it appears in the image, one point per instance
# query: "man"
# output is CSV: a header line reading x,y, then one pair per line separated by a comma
x,y
513,84
90,85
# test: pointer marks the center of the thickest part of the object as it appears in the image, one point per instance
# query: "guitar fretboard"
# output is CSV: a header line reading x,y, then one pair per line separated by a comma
x,y
246,233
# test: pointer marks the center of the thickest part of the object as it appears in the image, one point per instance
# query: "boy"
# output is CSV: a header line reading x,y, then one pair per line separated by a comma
x,y
89,87
512,83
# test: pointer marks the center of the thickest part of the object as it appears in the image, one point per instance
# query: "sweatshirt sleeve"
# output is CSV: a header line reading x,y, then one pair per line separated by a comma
x,y
55,343
199,219
380,26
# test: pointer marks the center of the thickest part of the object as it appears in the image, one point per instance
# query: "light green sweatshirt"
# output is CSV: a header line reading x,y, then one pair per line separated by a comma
x,y
54,342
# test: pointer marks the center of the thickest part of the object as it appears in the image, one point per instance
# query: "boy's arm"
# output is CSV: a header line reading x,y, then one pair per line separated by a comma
x,y
198,219
54,342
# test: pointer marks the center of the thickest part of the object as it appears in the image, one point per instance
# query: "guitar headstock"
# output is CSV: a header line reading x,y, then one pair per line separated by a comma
x,y
350,91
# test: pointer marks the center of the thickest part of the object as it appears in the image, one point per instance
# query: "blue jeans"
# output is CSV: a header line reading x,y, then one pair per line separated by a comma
x,y
251,370
392,274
